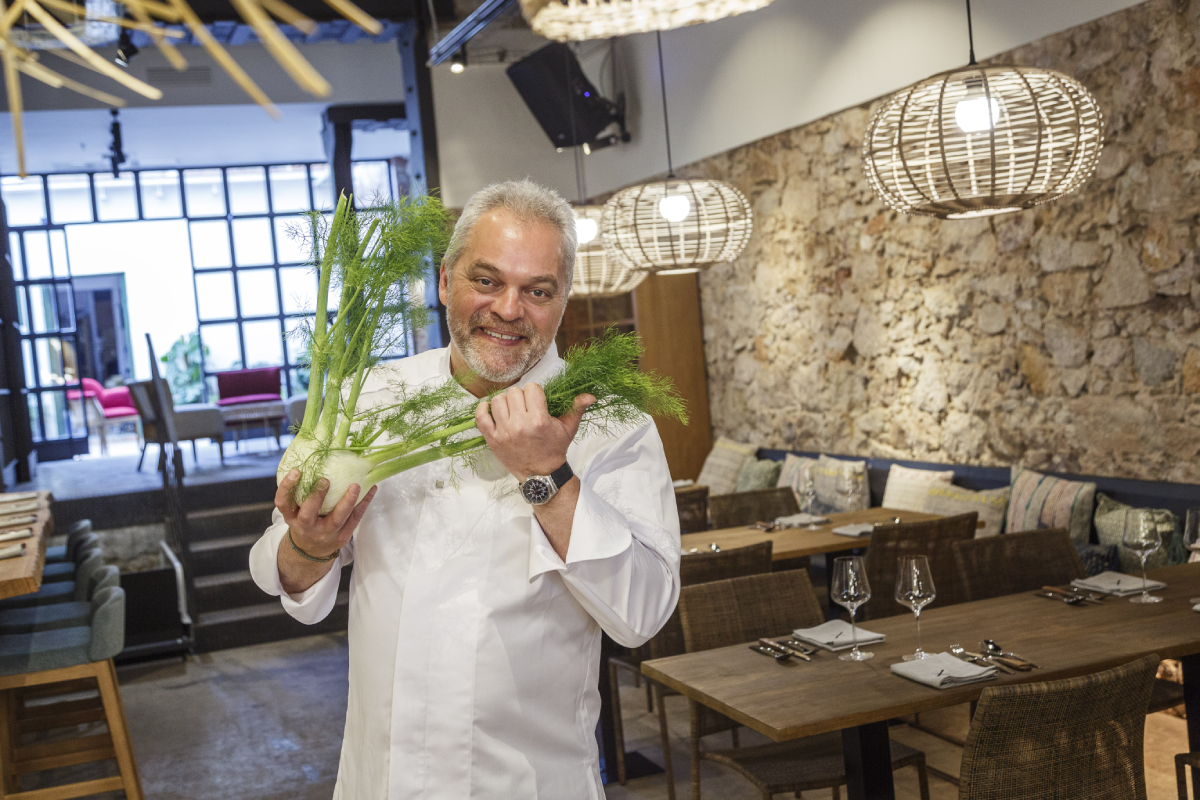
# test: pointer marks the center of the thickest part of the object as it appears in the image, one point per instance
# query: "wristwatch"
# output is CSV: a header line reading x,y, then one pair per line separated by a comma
x,y
538,489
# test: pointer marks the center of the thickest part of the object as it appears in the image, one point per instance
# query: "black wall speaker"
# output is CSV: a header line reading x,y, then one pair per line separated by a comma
x,y
553,85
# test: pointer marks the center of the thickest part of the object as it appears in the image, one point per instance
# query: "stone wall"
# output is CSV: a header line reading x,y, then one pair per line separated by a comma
x,y
1065,337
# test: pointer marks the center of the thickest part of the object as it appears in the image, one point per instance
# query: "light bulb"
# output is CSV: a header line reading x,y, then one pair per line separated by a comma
x,y
972,114
586,229
457,67
675,207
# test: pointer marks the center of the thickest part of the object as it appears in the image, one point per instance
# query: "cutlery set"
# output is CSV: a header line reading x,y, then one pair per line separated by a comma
x,y
993,655
1072,595
784,650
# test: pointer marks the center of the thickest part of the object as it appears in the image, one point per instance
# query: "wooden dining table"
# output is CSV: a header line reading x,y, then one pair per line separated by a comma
x,y
793,699
23,574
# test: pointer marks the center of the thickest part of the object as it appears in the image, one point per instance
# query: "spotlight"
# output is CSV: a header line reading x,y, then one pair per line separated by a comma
x,y
126,49
458,62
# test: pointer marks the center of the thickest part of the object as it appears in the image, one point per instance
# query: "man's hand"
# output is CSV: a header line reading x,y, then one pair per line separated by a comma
x,y
316,535
521,433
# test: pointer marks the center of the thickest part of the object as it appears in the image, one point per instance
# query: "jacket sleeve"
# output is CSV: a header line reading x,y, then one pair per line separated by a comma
x,y
310,606
622,562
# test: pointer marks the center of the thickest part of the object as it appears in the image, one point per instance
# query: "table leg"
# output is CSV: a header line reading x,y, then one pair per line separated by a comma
x,y
1191,702
868,754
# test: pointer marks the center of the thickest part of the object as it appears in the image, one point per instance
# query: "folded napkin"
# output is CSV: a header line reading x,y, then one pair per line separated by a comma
x,y
682,482
855,529
16,497
836,635
12,550
12,536
18,507
15,520
796,520
942,670
1117,583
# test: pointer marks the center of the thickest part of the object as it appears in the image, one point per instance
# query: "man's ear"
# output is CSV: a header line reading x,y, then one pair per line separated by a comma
x,y
444,284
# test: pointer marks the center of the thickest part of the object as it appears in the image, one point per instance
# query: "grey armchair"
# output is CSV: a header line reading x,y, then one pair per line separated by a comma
x,y
193,421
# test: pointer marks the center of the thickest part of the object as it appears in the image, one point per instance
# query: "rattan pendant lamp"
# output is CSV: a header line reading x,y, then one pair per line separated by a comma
x,y
675,225
567,20
979,141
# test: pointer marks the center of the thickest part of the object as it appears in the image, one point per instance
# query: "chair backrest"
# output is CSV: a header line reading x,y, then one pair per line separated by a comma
x,y
931,538
76,544
83,573
741,610
744,508
1016,562
242,382
80,527
102,578
92,387
703,568
146,402
1081,736
692,502
108,624
87,551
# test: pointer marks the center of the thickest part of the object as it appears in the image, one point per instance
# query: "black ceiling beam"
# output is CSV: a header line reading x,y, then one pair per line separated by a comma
x,y
475,22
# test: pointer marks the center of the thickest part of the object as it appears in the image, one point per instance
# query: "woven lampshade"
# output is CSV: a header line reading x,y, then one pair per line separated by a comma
x,y
676,225
982,140
597,275
573,20
89,28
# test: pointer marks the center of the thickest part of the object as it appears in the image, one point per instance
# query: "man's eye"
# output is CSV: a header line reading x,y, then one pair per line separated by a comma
x,y
484,282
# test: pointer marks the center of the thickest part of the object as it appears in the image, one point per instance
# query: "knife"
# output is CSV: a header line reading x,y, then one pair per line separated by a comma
x,y
1085,598
1002,661
774,645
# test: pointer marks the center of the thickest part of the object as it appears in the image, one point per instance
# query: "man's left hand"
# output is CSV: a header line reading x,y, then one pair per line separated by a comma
x,y
522,434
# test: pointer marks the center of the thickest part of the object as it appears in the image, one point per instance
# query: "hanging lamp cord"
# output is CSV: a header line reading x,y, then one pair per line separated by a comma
x,y
970,36
662,79
571,113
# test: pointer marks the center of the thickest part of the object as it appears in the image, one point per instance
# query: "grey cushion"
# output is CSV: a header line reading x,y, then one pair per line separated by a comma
x,y
45,618
55,555
34,652
199,421
108,624
54,573
62,591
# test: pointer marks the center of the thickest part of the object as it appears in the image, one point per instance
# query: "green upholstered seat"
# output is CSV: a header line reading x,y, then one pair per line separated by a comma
x,y
60,592
70,614
66,552
66,647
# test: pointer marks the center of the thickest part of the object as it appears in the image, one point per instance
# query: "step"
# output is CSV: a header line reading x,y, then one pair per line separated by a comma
x,y
227,554
202,496
226,590
229,521
265,622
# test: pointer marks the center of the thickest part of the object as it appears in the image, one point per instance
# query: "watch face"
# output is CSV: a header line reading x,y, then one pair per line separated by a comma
x,y
536,490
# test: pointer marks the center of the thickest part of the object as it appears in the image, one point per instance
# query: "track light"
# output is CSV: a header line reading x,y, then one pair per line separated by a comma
x,y
126,49
458,62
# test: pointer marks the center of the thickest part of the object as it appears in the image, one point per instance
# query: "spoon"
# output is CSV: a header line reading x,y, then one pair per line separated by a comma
x,y
976,658
1074,600
996,650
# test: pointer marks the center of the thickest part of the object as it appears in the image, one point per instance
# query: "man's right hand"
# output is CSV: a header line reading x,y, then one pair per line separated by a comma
x,y
316,535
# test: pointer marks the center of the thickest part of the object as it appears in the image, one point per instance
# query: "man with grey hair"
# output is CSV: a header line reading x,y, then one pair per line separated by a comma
x,y
477,600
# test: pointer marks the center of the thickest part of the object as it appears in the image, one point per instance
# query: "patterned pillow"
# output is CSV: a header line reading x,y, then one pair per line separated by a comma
x,y
1041,501
1110,529
907,488
825,477
792,474
723,465
947,501
758,473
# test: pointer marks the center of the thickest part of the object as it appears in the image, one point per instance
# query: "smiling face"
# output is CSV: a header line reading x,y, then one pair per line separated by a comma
x,y
504,299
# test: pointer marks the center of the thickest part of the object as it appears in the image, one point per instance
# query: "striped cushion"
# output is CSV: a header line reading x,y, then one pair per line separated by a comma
x,y
1042,501
949,501
825,476
723,465
792,474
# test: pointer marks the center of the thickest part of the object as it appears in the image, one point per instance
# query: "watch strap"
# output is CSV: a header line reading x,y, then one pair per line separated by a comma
x,y
561,475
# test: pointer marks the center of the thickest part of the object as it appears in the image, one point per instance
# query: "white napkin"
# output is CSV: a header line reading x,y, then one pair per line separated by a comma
x,y
1196,607
17,519
12,536
16,497
942,670
836,635
682,482
12,550
796,520
855,529
17,507
1117,583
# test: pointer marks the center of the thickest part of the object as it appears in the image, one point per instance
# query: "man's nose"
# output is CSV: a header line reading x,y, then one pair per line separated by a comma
x,y
508,304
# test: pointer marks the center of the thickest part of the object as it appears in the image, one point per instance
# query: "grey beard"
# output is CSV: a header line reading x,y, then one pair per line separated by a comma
x,y
460,334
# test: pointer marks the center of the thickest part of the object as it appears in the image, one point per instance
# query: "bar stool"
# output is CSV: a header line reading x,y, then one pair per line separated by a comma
x,y
65,552
71,614
89,544
60,592
47,664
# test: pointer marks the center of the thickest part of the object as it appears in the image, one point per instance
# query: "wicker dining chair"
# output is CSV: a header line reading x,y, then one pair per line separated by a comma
x,y
930,538
736,611
745,508
1074,738
692,502
1025,562
694,568
1182,762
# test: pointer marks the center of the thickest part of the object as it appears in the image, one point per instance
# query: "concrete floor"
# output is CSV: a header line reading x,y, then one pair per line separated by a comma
x,y
265,723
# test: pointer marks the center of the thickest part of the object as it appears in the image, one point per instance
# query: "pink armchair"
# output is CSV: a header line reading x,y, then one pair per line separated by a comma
x,y
105,407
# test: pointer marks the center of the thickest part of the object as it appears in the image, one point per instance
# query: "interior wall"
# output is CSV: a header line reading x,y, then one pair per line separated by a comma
x,y
1065,337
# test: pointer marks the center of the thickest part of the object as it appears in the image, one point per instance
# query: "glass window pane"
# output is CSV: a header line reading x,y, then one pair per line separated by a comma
x,y
23,200
322,187
160,194
14,255
298,377
65,301
58,254
291,239
27,357
70,199
223,352
205,192
371,183
264,343
35,416
49,358
298,330
289,188
210,244
54,413
22,316
252,242
115,197
247,190
37,255
299,285
256,293
214,295
43,307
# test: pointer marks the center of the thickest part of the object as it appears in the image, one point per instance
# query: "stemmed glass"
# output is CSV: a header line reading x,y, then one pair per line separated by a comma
x,y
810,495
849,589
1191,529
1141,536
914,589
845,488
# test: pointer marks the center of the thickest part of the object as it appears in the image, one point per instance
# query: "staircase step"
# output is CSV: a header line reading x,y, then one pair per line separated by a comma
x,y
231,521
229,590
227,554
264,622
198,496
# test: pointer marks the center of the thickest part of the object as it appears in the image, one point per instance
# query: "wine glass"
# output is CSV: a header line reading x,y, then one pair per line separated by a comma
x,y
850,589
914,589
1191,529
1141,536
846,486
810,495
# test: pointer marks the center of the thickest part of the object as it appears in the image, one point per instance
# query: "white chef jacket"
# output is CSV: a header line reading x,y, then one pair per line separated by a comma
x,y
475,648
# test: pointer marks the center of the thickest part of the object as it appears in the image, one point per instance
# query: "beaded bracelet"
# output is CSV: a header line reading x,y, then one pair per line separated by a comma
x,y
303,554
